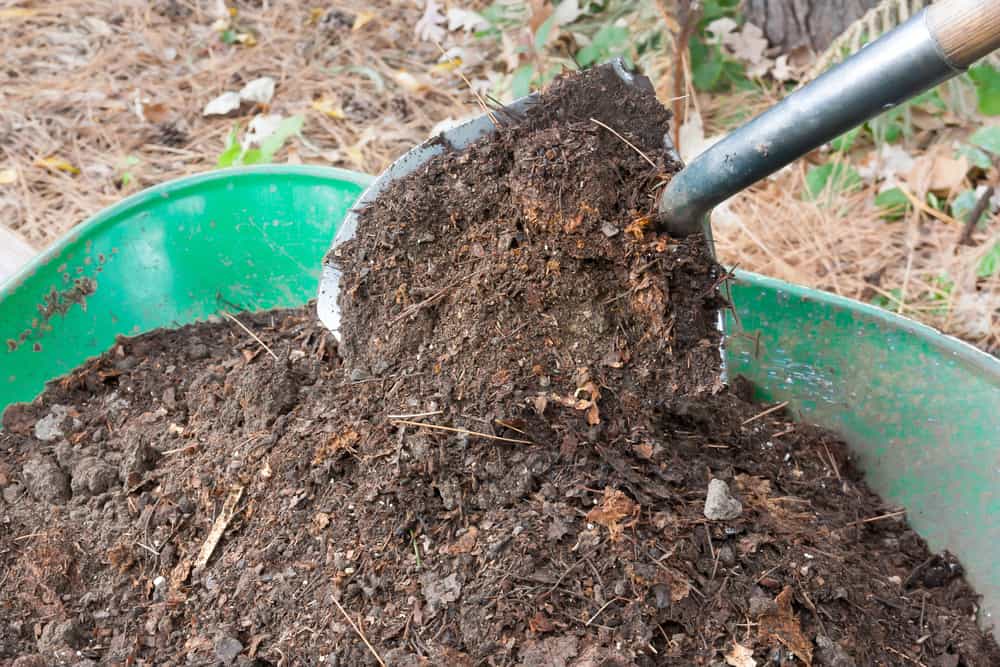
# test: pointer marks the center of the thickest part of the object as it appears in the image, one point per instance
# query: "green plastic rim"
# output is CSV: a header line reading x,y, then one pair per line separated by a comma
x,y
921,410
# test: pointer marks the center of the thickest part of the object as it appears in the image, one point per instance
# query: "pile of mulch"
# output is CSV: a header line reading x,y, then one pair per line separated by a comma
x,y
519,454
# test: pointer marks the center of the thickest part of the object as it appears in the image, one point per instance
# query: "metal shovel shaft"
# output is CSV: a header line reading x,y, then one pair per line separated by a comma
x,y
902,63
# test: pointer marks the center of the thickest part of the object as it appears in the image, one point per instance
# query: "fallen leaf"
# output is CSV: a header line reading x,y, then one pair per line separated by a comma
x,y
361,20
259,91
8,176
464,544
749,44
540,623
410,82
17,13
222,105
566,12
782,625
55,163
320,521
613,508
937,171
430,26
328,106
466,20
740,656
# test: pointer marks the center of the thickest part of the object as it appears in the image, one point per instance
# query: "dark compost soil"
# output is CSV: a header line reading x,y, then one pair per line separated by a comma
x,y
505,462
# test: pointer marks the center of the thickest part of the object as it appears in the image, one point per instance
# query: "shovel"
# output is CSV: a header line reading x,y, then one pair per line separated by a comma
x,y
936,44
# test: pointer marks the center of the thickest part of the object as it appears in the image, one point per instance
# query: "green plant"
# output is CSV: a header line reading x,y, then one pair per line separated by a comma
x,y
892,204
712,70
989,265
832,176
235,154
986,78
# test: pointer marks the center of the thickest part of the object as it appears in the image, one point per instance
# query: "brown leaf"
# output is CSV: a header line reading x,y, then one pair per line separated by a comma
x,y
466,543
615,507
740,656
540,623
782,625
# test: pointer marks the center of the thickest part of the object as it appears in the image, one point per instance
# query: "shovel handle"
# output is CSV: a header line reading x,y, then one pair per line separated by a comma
x,y
931,47
966,30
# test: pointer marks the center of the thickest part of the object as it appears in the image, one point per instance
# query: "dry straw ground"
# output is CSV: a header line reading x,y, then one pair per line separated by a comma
x,y
98,100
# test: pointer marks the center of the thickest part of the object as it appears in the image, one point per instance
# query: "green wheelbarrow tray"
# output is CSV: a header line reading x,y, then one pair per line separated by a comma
x,y
920,409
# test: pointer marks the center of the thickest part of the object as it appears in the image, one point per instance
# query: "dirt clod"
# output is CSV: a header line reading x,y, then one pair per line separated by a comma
x,y
505,462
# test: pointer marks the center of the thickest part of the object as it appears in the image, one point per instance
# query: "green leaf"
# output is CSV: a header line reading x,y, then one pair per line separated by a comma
x,y
608,39
228,36
963,204
232,150
990,264
286,129
836,177
706,75
987,81
544,30
844,142
252,156
934,202
893,204
976,156
885,302
987,138
893,132
521,80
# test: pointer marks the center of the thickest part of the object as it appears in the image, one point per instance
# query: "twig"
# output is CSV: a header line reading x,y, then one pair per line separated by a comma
x,y
833,462
252,335
757,416
933,212
416,414
462,431
219,527
903,655
479,98
973,219
359,633
603,607
629,143
890,515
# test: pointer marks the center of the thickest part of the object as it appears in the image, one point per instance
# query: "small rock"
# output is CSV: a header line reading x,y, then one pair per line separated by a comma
x,y
358,374
832,654
197,351
58,636
138,460
609,230
170,398
50,427
13,493
727,556
761,605
92,476
227,648
662,596
64,454
720,504
46,481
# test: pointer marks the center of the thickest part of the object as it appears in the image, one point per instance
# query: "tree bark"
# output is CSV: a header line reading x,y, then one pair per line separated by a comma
x,y
790,24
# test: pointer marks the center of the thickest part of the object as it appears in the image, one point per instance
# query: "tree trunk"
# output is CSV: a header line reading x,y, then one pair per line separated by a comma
x,y
790,24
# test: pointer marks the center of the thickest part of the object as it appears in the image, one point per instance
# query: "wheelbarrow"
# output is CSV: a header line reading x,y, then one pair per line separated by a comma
x,y
920,410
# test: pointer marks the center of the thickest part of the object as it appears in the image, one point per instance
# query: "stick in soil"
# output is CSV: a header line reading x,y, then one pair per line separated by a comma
x,y
219,527
462,431
252,335
629,143
974,215
358,631
880,517
771,409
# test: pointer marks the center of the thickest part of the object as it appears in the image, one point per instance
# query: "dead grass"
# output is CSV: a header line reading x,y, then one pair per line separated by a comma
x,y
76,72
